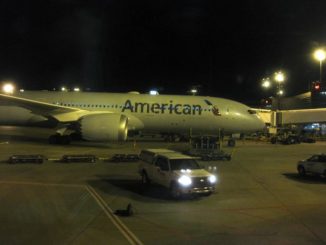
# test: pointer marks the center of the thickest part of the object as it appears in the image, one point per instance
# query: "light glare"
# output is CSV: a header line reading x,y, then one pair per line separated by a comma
x,y
280,92
153,92
266,83
212,179
8,88
184,180
193,91
320,55
279,77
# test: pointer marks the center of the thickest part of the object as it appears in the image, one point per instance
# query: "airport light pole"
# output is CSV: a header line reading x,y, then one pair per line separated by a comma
x,y
266,84
279,78
320,55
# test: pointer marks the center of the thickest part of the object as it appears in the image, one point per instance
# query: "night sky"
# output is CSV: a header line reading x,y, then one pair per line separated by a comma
x,y
135,45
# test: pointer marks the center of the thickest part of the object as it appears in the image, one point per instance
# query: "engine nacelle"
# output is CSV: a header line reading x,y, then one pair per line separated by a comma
x,y
104,127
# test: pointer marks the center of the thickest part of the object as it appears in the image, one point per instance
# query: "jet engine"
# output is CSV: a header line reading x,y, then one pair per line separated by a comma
x,y
104,127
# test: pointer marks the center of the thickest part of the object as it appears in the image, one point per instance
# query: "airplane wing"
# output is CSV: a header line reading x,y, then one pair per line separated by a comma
x,y
60,113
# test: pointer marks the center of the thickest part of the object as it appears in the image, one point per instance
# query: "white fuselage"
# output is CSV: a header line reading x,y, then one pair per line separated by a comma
x,y
148,113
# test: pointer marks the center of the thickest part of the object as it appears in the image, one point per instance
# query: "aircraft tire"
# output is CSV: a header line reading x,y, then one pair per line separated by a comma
x,y
231,142
65,139
59,140
273,140
53,139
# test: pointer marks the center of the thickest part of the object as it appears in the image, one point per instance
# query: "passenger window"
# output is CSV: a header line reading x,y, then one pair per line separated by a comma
x,y
314,159
322,158
146,156
162,164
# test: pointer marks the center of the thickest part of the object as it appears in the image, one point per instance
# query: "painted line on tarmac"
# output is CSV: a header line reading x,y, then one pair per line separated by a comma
x,y
40,184
114,219
283,204
107,210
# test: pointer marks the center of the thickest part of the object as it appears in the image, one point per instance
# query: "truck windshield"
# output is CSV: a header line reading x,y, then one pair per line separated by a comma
x,y
178,164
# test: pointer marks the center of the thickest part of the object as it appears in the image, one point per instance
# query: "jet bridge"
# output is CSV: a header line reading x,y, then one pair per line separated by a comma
x,y
286,117
301,116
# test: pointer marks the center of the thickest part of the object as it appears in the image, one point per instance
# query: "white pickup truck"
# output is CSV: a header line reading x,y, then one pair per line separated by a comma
x,y
178,172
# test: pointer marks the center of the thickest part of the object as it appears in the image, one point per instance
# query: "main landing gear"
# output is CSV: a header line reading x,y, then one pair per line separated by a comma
x,y
174,138
231,142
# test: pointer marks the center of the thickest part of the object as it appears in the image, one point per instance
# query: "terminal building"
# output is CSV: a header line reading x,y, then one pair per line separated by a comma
x,y
306,111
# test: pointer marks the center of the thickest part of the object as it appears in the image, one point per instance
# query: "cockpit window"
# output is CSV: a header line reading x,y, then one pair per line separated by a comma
x,y
252,111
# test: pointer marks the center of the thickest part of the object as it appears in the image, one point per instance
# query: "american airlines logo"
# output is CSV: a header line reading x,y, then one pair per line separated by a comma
x,y
162,108
215,110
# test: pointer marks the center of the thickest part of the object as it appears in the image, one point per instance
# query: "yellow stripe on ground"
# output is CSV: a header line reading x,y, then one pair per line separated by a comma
x,y
115,220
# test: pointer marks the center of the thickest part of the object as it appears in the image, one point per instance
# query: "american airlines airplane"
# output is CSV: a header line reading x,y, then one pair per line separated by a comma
x,y
95,116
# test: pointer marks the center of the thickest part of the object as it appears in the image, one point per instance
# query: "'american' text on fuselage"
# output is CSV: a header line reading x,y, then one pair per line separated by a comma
x,y
161,108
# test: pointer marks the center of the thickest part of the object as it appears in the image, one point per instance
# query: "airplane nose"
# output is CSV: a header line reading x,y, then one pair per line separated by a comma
x,y
259,124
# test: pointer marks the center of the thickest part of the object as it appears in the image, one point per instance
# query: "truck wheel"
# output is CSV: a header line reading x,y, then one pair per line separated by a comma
x,y
144,179
208,194
301,171
174,191
290,141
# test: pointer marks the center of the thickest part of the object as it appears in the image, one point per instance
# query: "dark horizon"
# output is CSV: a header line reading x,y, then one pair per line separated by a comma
x,y
121,46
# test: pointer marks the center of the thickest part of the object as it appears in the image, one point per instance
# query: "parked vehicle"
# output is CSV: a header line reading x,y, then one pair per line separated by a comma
x,y
287,137
316,164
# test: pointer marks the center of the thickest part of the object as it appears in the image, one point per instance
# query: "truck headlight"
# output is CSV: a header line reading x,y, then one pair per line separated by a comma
x,y
212,179
184,180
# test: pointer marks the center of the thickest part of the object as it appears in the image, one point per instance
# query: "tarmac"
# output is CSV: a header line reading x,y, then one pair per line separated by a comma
x,y
260,198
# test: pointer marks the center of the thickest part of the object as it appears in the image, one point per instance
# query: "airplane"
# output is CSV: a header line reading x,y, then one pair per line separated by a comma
x,y
105,117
